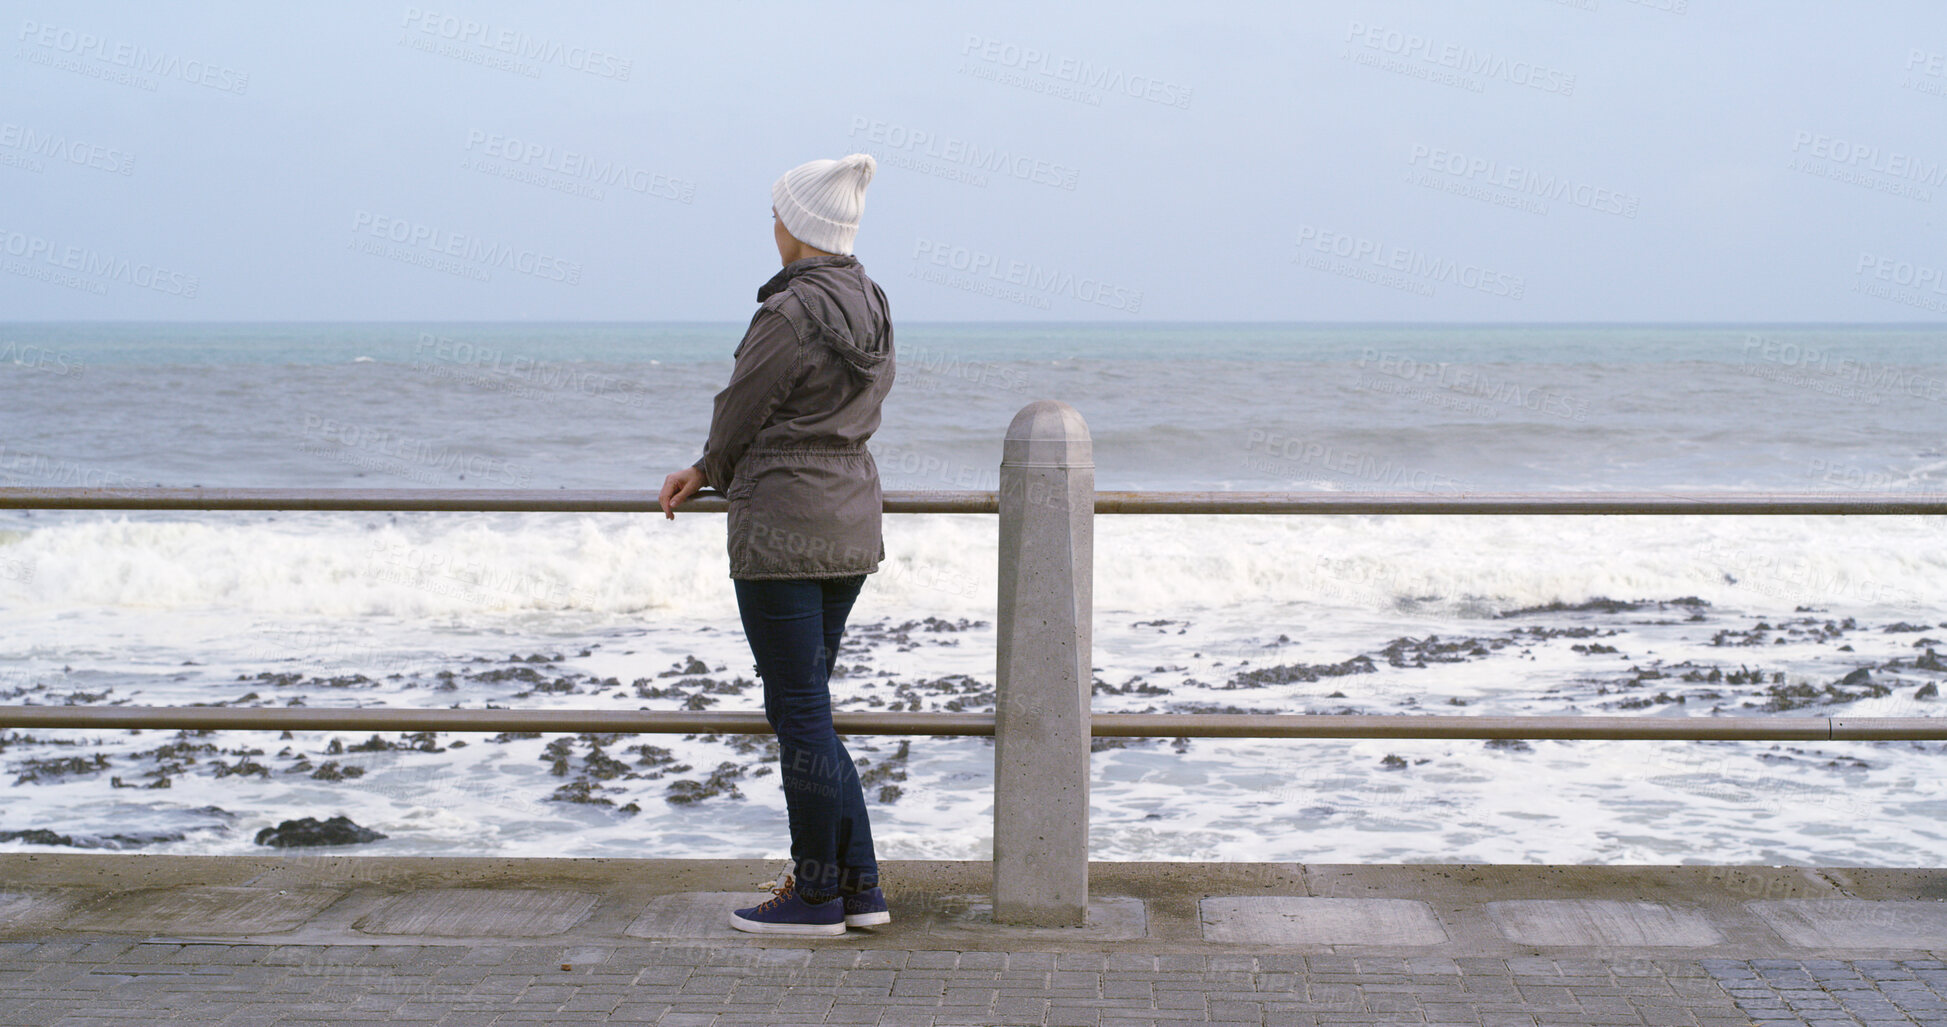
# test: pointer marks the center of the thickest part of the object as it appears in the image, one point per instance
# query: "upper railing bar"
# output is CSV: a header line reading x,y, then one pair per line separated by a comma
x,y
979,502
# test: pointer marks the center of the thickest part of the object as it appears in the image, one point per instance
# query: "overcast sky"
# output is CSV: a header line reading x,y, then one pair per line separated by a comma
x,y
1458,160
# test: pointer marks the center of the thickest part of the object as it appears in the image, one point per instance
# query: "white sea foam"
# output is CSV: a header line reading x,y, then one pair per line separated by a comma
x,y
638,567
120,605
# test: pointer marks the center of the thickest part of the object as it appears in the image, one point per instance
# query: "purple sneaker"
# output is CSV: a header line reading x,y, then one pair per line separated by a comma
x,y
785,913
867,909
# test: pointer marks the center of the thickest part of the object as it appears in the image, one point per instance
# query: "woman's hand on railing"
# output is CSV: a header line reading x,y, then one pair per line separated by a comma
x,y
677,488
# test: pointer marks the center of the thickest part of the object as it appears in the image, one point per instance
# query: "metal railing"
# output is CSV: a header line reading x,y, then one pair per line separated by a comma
x,y
1046,502
1101,725
981,502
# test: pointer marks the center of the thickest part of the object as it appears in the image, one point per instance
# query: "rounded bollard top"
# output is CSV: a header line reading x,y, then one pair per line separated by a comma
x,y
1048,433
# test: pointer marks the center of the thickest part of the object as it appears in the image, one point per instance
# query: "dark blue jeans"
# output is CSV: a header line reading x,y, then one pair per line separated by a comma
x,y
794,626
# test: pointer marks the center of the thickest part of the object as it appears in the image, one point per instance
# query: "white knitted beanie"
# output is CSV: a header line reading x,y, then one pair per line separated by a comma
x,y
820,201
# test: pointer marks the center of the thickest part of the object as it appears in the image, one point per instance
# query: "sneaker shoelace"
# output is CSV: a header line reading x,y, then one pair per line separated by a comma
x,y
780,889
779,894
783,879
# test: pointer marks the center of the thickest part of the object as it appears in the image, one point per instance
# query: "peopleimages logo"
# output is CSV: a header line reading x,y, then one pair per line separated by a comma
x,y
21,467
493,368
1473,381
1866,165
578,171
1901,281
39,357
1525,181
420,243
436,456
1809,366
1926,72
1872,158
86,269
134,61
1903,272
949,149
519,45
1463,60
1358,251
62,148
933,366
1075,71
1031,279
1364,466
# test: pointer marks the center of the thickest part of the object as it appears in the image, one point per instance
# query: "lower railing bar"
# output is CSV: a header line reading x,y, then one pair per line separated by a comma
x,y
985,502
1156,725
1102,725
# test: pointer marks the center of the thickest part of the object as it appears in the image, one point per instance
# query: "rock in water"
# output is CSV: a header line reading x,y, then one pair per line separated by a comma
x,y
338,830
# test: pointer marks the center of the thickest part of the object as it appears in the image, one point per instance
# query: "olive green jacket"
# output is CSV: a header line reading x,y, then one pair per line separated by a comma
x,y
787,436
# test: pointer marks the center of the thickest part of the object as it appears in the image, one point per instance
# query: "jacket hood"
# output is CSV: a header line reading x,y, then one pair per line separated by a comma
x,y
849,308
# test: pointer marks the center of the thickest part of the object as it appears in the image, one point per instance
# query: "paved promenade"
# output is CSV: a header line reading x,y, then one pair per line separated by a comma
x,y
340,940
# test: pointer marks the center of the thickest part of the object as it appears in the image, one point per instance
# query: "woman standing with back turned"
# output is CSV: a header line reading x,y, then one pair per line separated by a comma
x,y
787,449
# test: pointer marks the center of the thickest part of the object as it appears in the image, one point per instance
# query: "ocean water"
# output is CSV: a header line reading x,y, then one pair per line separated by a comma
x,y
1785,616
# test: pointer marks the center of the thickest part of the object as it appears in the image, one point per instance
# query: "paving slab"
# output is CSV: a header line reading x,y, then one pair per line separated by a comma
x,y
690,915
1289,920
948,919
480,913
1857,923
36,907
1109,918
205,909
1600,923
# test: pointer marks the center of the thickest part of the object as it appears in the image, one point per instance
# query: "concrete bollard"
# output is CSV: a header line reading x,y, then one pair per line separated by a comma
x,y
1043,675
